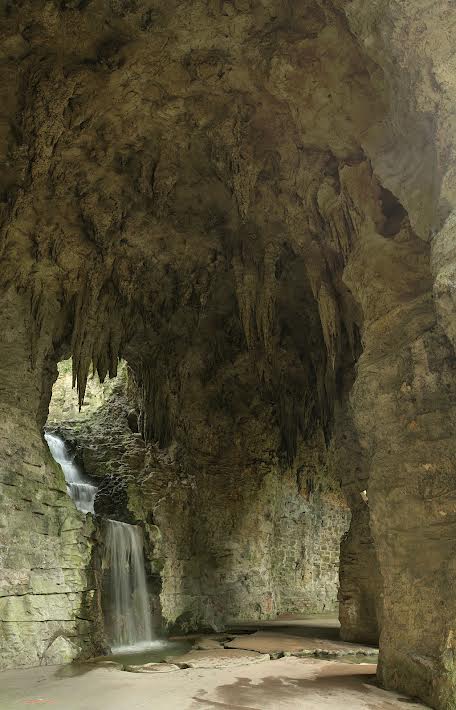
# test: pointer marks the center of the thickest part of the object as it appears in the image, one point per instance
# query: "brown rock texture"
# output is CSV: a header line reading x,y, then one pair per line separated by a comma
x,y
361,584
253,204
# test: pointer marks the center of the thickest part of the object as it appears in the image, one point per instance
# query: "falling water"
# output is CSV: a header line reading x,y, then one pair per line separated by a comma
x,y
131,614
82,492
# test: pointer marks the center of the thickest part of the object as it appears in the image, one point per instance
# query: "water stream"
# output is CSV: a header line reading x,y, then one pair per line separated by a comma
x,y
131,627
79,489
129,623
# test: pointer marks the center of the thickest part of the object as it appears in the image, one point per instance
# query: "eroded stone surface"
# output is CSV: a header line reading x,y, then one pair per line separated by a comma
x,y
47,589
218,658
302,684
61,650
361,584
207,645
264,642
152,668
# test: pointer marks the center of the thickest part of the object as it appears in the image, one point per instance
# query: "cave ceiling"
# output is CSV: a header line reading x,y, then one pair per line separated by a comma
x,y
183,184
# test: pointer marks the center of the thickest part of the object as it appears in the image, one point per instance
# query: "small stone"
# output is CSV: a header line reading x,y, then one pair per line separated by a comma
x,y
207,645
152,668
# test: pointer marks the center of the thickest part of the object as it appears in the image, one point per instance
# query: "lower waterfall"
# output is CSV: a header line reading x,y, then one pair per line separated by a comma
x,y
130,620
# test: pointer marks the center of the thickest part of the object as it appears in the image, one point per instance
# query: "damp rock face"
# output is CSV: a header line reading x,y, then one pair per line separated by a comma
x,y
48,611
253,204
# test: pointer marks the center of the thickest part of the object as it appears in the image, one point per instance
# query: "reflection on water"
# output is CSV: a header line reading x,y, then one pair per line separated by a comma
x,y
154,654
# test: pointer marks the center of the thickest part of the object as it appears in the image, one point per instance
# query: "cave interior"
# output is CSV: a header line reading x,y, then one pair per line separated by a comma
x,y
228,285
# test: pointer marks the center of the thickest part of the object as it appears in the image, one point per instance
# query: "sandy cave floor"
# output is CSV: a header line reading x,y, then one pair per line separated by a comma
x,y
287,683
238,673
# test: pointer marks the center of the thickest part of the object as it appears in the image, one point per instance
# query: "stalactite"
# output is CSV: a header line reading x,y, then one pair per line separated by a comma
x,y
155,406
101,320
296,409
330,322
256,293
266,297
246,294
83,328
37,311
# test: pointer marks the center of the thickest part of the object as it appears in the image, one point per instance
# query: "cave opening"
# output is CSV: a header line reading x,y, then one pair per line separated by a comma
x,y
103,455
64,417
125,584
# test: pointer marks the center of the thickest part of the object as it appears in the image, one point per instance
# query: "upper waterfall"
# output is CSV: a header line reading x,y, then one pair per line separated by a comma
x,y
79,489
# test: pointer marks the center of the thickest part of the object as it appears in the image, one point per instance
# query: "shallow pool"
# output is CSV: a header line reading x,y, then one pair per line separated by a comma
x,y
156,653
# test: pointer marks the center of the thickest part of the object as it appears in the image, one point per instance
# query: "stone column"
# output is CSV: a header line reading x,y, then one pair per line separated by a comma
x,y
404,411
407,412
361,588
360,582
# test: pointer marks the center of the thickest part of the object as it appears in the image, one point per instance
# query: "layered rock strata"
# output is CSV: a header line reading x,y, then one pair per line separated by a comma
x,y
48,600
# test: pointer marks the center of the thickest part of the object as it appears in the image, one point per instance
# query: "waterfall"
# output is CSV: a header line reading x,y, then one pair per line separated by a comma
x,y
78,488
128,617
130,621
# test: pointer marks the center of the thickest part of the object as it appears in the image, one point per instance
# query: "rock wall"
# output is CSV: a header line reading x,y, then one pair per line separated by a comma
x,y
48,604
403,407
361,581
254,549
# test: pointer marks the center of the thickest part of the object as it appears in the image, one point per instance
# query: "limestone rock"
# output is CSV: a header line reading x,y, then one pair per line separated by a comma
x,y
218,658
240,511
207,645
61,650
152,668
